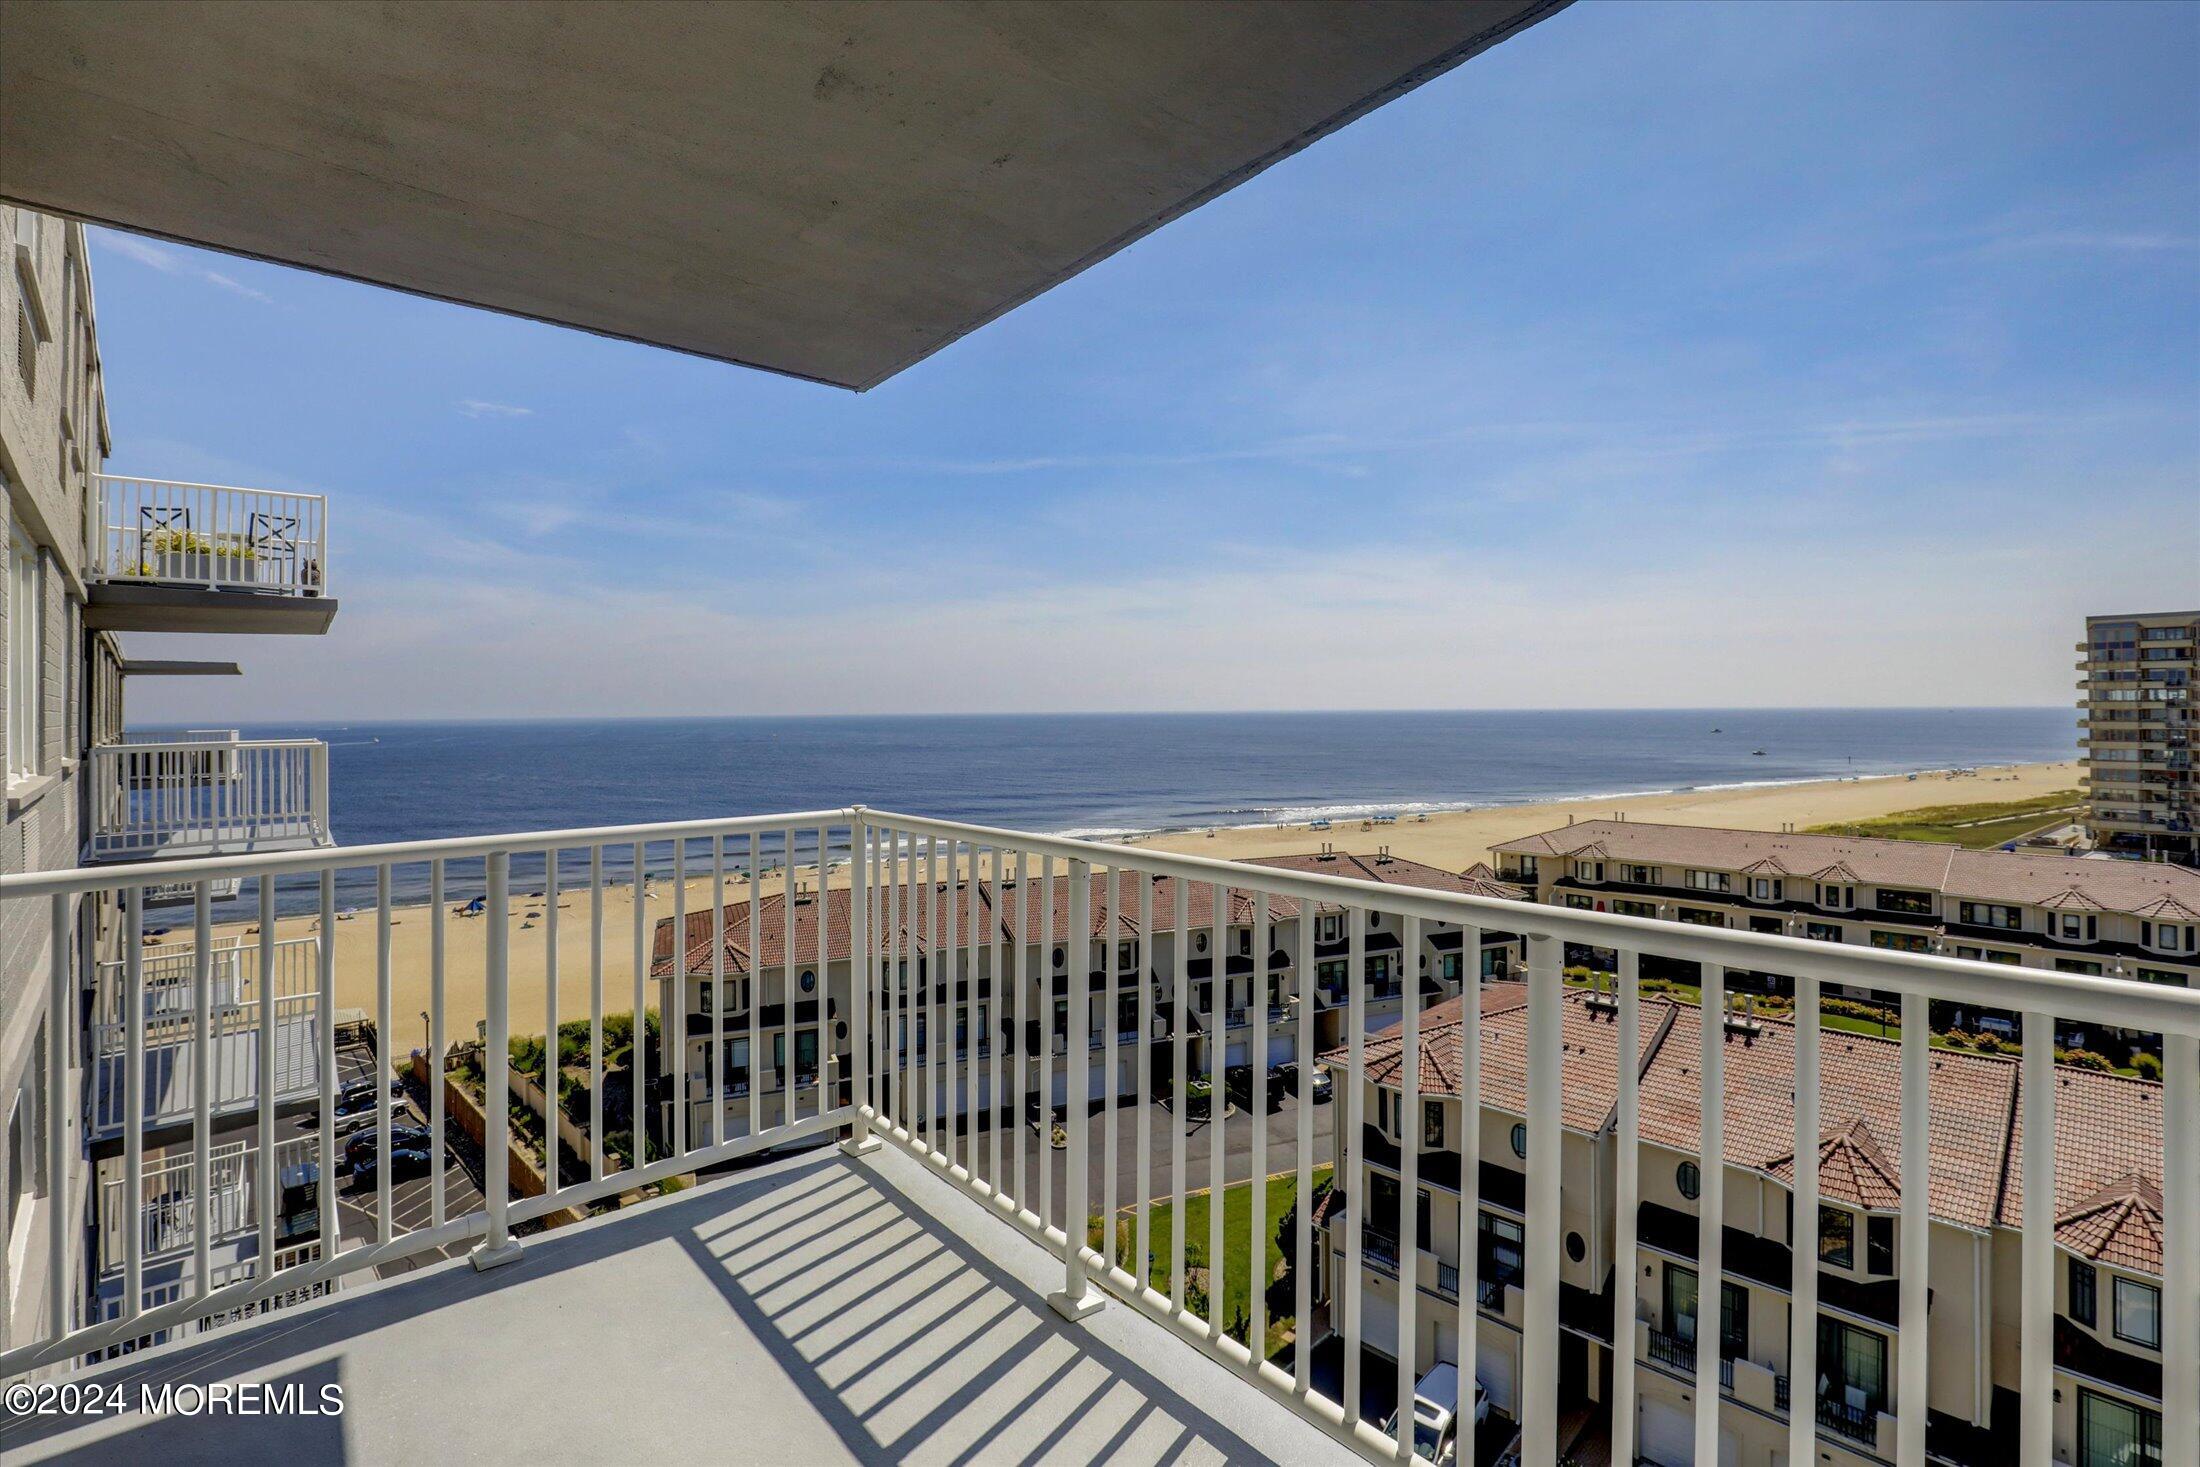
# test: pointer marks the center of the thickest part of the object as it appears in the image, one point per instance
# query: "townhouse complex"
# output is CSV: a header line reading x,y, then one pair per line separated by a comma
x,y
2093,916
2135,684
97,1092
1002,948
2107,1221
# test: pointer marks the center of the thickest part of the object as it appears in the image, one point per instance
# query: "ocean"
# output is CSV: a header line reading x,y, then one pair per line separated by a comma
x,y
1104,774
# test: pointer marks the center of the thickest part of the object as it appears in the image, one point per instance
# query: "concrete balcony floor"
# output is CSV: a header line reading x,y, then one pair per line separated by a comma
x,y
817,1309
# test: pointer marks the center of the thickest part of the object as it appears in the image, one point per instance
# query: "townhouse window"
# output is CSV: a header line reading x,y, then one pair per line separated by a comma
x,y
2169,937
1680,1311
1699,917
1840,898
1501,1247
1383,1102
1432,1127
2160,975
1640,875
2084,1287
1764,889
2138,1314
1527,867
1854,1363
1879,1246
2078,965
1822,931
1837,1237
1330,928
1901,942
2113,1433
1589,870
1126,955
2073,926
1061,956
737,1065
1915,903
1447,967
1374,921
1710,881
26,613
1578,901
1245,943
1990,914
1689,1178
1635,909
1520,1141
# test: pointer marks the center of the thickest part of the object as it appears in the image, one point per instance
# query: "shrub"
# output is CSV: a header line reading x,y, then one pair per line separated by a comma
x,y
2149,1066
2084,1059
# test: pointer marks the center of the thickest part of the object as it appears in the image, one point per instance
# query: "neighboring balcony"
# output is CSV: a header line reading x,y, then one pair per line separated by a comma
x,y
167,1039
212,796
178,557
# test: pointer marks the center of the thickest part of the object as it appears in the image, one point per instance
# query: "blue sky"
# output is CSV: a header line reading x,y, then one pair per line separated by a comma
x,y
1663,356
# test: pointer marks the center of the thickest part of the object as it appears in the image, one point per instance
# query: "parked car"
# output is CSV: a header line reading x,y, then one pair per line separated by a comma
x,y
405,1161
1435,1405
366,1142
364,1089
1290,1079
351,1113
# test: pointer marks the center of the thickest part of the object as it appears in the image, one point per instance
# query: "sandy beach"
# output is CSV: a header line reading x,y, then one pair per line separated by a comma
x,y
1453,840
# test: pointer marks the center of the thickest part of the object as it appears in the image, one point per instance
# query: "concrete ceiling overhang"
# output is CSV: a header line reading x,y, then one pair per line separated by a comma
x,y
828,190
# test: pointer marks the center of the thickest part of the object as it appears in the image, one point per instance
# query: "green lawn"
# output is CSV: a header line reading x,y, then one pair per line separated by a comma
x,y
1979,827
1237,1218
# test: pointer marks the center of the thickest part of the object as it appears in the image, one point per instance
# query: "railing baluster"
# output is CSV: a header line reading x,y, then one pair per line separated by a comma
x,y
1914,1255
1539,1344
1142,1071
1302,1227
324,1179
1351,1155
1710,1207
896,1061
1470,1190
58,1007
499,1247
1803,1268
1256,1331
382,1040
716,1072
756,981
827,1085
1046,1041
673,1024
133,1093
1019,1022
1218,1078
1078,1298
1409,1192
595,1014
946,1077
437,1150
638,1048
995,989
552,1068
1180,1024
1111,900
268,1188
202,1088
862,983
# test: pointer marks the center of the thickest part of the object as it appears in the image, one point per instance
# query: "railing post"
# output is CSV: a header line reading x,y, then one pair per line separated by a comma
x,y
58,1111
1078,1297
1539,1362
496,1162
319,755
862,984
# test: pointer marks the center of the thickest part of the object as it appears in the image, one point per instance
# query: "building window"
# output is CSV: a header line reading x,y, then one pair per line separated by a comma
x,y
1700,917
1689,1178
1764,889
809,981
1990,914
1640,875
1384,1100
1709,881
1635,909
1836,1237
26,613
1901,942
1432,1125
1589,870
2072,926
1854,1363
2113,1433
1520,1141
1916,903
1822,931
1578,901
1840,898
2083,1309
1502,1245
1879,1246
2138,1314
2079,966
1331,928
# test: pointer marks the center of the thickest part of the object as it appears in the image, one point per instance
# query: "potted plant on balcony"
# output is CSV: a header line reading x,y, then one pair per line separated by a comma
x,y
186,555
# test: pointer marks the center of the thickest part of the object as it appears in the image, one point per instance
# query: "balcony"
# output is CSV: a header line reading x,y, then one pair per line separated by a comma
x,y
882,1301
214,796
178,557
165,1038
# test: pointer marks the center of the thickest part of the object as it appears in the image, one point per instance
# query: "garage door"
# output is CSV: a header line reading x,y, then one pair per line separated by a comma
x,y
1379,1322
1667,1434
1496,1365
1282,1049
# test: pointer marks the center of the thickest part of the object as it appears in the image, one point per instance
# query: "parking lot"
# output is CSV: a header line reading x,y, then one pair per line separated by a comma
x,y
411,1197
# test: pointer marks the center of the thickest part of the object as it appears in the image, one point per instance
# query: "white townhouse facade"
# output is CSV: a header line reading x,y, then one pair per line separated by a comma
x,y
2107,1331
87,1077
2093,916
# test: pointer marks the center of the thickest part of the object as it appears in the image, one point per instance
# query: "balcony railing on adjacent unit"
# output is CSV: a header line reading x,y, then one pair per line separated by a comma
x,y
204,797
894,865
211,537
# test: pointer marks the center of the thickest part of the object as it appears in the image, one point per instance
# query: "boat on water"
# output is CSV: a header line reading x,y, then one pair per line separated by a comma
x,y
1755,752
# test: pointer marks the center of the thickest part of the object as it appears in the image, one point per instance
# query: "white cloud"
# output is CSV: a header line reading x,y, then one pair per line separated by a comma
x,y
176,262
474,407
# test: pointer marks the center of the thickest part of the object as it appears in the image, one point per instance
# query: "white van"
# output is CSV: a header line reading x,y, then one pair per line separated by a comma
x,y
1435,1400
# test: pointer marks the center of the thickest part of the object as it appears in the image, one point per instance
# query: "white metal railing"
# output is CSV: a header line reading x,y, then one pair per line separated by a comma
x,y
212,536
907,906
207,797
169,1199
